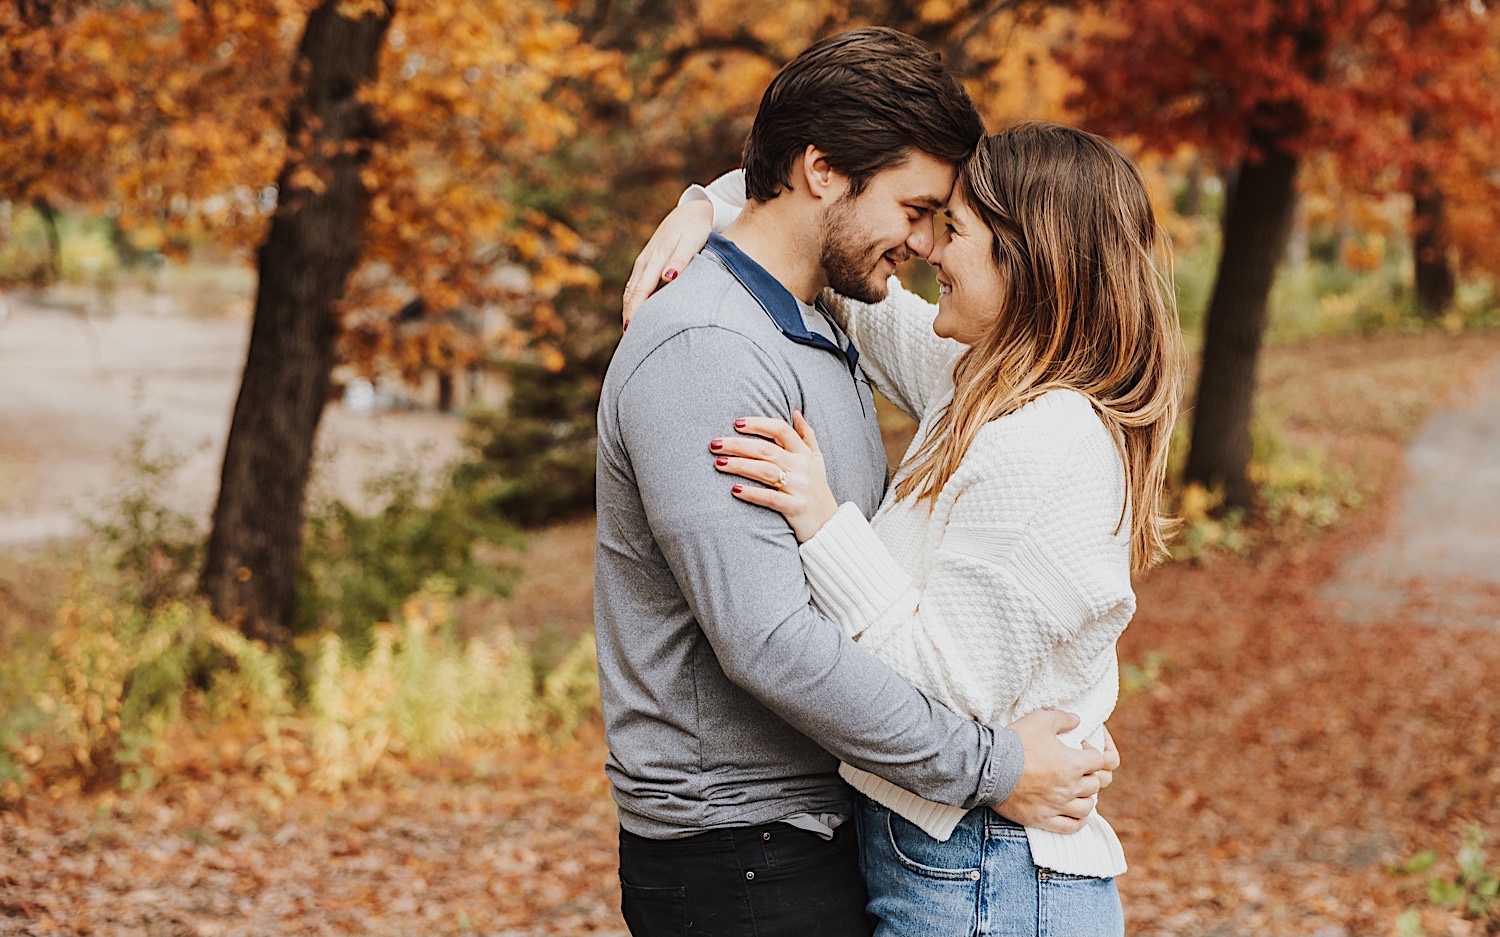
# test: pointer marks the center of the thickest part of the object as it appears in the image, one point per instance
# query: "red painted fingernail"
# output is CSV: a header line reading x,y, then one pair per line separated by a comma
x,y
626,327
716,444
721,461
737,489
669,275
739,424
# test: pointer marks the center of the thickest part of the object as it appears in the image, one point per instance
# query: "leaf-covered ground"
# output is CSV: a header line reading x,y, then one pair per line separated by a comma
x,y
1278,761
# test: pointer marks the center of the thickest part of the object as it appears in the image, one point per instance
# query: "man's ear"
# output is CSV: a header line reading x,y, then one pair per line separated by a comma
x,y
822,180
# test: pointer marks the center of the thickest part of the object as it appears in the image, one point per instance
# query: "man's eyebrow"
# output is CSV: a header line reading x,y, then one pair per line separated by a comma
x,y
927,203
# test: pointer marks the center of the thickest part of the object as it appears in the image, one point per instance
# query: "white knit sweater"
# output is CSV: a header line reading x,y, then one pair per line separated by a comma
x,y
1008,594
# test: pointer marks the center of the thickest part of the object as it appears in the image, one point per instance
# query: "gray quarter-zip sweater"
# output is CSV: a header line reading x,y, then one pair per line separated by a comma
x,y
728,699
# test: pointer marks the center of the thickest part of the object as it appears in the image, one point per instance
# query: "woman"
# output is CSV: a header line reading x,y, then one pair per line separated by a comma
x,y
996,573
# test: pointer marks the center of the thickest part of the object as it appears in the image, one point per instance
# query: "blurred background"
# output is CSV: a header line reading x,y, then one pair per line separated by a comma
x,y
304,310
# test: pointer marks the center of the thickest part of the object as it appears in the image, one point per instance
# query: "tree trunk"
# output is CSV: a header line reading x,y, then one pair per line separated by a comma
x,y
250,567
1256,221
1190,205
48,214
1435,282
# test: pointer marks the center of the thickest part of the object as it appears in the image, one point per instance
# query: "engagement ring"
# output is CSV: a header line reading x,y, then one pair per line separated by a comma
x,y
780,482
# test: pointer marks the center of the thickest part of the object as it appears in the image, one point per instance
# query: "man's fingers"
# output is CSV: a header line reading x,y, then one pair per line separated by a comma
x,y
1109,753
1106,778
1060,824
1088,786
1091,759
1078,808
1068,721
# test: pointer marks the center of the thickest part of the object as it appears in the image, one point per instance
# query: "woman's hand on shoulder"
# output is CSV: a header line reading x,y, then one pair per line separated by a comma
x,y
679,236
790,465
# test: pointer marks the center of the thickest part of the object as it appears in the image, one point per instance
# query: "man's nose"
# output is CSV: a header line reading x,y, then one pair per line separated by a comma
x,y
920,240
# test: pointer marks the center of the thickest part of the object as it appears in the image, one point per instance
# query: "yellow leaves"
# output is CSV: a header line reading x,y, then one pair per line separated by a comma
x,y
936,11
552,359
306,178
355,9
527,244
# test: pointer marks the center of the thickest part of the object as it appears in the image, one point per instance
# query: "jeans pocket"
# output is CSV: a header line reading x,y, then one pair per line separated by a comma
x,y
654,912
1078,906
922,855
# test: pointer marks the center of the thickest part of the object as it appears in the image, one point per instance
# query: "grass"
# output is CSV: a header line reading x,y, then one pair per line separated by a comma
x,y
1315,299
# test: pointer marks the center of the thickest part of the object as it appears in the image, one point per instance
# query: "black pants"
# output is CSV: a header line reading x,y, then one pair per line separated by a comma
x,y
754,881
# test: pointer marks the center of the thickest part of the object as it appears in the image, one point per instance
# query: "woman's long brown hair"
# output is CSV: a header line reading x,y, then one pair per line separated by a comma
x,y
1088,307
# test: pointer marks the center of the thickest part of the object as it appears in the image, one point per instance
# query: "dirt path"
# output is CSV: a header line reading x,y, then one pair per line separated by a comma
x,y
1437,562
75,386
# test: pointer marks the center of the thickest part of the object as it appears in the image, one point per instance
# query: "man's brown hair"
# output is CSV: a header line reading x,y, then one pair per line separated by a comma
x,y
866,98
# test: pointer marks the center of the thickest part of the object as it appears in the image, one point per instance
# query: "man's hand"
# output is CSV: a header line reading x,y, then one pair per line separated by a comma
x,y
1106,775
1058,783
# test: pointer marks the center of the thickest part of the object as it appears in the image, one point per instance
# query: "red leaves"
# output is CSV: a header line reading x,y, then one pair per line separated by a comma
x,y
1315,74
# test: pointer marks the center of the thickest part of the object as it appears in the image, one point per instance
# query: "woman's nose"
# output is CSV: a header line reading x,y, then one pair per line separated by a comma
x,y
935,255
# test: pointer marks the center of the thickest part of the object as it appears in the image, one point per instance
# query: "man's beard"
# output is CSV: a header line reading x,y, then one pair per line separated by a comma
x,y
848,260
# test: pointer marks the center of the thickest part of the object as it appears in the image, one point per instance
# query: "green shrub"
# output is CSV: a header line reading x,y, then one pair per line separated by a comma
x,y
357,568
1473,889
419,692
1300,487
154,548
1295,489
119,688
117,679
1146,675
1193,272
533,460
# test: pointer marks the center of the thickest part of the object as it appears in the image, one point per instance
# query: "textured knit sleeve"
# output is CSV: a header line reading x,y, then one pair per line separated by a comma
x,y
1031,559
910,364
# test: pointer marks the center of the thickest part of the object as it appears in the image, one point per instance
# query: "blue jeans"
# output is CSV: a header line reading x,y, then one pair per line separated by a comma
x,y
980,882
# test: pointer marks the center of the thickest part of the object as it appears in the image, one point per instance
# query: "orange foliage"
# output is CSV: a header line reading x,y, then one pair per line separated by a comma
x,y
173,117
1328,76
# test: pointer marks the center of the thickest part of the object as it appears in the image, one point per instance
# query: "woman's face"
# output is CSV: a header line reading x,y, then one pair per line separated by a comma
x,y
969,281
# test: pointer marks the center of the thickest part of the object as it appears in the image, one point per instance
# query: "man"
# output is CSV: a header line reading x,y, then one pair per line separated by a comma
x,y
728,699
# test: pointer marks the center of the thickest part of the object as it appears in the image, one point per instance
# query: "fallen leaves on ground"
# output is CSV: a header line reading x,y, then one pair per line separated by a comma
x,y
1278,762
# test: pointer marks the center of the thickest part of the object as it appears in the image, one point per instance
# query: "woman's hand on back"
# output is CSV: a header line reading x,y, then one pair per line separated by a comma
x,y
679,236
790,464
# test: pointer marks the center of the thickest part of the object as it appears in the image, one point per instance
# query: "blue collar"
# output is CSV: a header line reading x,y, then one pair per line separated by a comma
x,y
774,298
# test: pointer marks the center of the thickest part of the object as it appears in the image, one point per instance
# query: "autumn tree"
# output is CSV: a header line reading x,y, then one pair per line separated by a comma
x,y
250,568
1450,70
415,176
398,145
1259,86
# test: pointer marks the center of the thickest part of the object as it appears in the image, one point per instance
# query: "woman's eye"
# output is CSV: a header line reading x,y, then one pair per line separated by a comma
x,y
948,229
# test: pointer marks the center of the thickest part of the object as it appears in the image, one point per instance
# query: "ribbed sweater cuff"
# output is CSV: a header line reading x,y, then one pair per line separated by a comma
x,y
853,577
725,212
